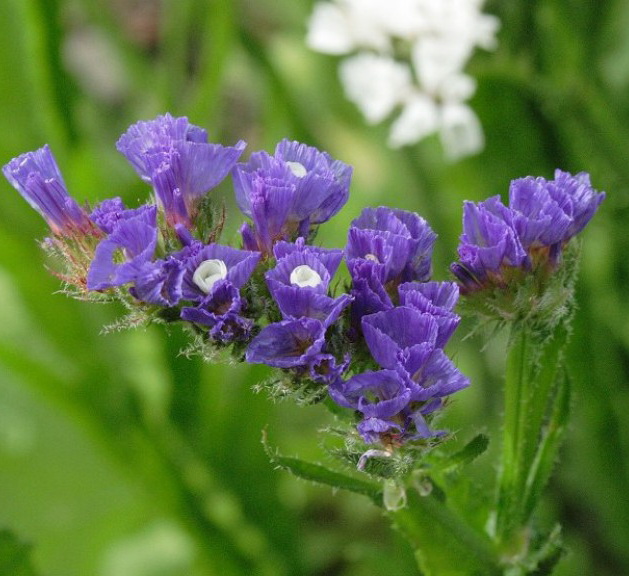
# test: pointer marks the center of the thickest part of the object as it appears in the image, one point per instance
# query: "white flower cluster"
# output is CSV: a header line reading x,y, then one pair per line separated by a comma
x,y
409,55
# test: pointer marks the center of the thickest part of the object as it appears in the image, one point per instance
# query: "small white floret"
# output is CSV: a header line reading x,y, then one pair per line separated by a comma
x,y
297,168
304,276
208,273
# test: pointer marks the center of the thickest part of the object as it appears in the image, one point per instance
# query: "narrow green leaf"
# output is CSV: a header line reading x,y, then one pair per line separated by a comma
x,y
322,475
472,450
546,454
14,555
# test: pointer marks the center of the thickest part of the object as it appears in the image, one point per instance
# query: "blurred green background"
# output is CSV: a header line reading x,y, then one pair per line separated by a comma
x,y
118,456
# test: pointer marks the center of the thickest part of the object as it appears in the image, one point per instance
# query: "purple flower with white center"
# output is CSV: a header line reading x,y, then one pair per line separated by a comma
x,y
548,213
286,194
300,280
488,243
322,176
159,282
36,176
121,256
220,311
296,343
437,299
176,158
207,264
400,241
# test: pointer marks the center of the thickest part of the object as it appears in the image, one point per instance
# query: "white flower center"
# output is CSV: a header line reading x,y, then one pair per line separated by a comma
x,y
303,276
208,273
297,168
372,257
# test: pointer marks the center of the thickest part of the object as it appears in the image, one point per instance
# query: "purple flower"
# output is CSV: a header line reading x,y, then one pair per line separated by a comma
x,y
488,243
409,341
299,282
220,311
394,332
176,158
296,343
385,247
212,277
380,396
121,256
207,264
400,242
542,216
416,373
159,282
547,213
36,176
368,291
285,194
437,299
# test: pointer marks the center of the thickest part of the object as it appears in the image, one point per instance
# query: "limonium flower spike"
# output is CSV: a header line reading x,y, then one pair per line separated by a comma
x,y
36,176
542,217
375,348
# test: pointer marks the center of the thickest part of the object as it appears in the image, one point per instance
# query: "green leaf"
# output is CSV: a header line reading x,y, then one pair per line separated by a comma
x,y
545,456
322,475
14,555
472,450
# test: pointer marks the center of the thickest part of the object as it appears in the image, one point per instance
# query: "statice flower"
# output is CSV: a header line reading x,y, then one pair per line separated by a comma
x,y
299,285
36,176
500,243
408,56
300,281
286,194
212,278
129,245
175,157
386,247
416,374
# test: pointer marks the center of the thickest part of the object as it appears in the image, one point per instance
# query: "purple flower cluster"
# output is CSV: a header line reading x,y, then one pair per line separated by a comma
x,y
542,216
405,321
377,348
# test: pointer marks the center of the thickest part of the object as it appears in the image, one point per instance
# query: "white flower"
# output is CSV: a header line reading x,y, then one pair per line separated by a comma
x,y
409,55
376,84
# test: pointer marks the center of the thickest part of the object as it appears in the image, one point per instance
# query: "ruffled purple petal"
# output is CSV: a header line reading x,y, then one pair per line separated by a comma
x,y
159,282
392,331
287,344
36,176
121,256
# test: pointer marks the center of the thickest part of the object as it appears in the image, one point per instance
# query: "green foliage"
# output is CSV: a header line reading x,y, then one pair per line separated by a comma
x,y
14,556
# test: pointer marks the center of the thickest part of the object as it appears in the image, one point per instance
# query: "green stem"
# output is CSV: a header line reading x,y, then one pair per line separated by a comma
x,y
444,544
536,407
